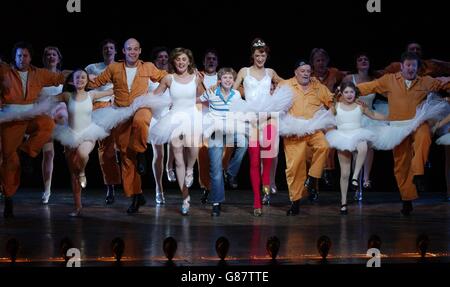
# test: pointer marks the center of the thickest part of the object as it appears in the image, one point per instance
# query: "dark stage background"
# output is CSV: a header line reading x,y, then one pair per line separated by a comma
x,y
291,28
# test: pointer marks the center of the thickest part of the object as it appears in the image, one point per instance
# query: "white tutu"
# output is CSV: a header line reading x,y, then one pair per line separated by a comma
x,y
177,123
393,133
342,139
293,126
444,140
110,117
70,138
280,101
25,112
367,122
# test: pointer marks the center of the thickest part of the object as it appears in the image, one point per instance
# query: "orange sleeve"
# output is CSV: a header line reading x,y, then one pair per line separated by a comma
x,y
376,86
434,85
156,75
440,68
326,97
392,68
49,78
104,78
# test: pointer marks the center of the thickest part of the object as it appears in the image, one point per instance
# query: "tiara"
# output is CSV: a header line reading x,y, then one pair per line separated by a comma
x,y
259,43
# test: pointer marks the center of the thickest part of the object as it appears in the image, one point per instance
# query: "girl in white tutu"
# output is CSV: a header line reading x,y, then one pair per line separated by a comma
x,y
182,125
80,135
364,74
350,136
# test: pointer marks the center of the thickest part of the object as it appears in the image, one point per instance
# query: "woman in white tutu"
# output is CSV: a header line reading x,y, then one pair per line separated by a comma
x,y
52,61
80,134
350,137
182,126
257,81
364,74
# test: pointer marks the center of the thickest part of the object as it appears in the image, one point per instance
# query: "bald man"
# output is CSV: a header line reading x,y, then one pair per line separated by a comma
x,y
131,79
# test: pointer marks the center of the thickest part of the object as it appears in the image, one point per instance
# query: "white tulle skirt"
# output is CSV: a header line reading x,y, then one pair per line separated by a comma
x,y
279,101
393,133
347,140
110,117
70,138
26,112
293,126
178,125
444,140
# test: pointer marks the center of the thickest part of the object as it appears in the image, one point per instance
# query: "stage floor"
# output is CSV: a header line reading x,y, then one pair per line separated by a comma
x,y
40,228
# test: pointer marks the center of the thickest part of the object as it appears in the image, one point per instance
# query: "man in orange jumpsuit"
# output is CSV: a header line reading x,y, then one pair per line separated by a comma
x,y
309,96
130,79
21,84
405,90
429,67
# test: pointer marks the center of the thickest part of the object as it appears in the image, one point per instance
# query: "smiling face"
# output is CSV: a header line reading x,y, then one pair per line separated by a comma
x,y
181,63
132,51
22,59
303,74
80,80
227,81
259,58
348,95
409,69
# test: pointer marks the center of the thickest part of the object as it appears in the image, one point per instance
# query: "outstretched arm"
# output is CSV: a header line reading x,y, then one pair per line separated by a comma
x,y
275,78
100,94
163,85
62,97
372,114
239,79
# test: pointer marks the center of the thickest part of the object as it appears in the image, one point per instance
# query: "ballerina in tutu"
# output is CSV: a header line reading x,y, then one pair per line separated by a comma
x,y
80,134
182,125
363,74
257,81
350,136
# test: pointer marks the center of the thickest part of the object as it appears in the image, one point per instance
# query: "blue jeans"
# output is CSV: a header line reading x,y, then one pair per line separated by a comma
x,y
215,152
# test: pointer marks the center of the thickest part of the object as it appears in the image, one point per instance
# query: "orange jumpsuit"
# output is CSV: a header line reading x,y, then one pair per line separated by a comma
x,y
130,136
305,104
431,67
107,154
411,154
12,133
